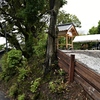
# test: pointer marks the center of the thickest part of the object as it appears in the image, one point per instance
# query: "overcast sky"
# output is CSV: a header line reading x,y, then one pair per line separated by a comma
x,y
88,12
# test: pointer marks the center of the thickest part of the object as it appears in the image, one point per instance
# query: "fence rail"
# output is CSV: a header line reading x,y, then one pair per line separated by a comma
x,y
81,74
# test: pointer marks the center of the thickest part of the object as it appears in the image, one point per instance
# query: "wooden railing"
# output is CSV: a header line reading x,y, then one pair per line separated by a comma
x,y
78,72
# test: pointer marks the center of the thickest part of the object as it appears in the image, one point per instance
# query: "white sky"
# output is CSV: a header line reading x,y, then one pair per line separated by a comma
x,y
2,40
87,12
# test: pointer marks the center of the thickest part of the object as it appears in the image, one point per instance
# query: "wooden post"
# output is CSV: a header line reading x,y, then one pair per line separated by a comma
x,y
72,42
66,42
71,68
58,43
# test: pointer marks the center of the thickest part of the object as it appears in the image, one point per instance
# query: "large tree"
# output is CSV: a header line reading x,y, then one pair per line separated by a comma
x,y
51,53
95,29
24,22
64,18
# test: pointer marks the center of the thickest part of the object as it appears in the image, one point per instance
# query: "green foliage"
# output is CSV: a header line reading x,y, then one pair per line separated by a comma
x,y
35,84
77,46
95,30
41,45
98,28
87,45
14,58
29,45
33,9
22,74
26,19
13,90
63,2
1,47
4,62
5,69
15,70
21,97
12,62
64,18
61,72
62,41
52,86
57,86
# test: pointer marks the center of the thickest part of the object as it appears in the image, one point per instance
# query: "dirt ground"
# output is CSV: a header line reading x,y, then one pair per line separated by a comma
x,y
74,92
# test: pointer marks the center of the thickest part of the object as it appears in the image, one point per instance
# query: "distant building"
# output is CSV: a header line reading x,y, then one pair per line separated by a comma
x,y
68,32
89,39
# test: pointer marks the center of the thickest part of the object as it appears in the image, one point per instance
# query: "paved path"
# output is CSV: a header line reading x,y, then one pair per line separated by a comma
x,y
3,97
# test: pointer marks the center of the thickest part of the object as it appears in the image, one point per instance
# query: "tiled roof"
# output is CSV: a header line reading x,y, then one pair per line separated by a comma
x,y
64,27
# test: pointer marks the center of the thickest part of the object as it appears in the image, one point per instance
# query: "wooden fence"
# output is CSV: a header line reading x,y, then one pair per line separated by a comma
x,y
81,74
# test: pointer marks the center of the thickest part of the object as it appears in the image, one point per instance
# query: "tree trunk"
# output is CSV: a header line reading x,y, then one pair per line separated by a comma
x,y
51,53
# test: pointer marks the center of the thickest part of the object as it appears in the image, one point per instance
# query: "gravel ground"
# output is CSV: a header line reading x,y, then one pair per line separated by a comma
x,y
91,58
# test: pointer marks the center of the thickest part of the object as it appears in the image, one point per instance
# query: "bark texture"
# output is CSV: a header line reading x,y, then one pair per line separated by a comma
x,y
51,53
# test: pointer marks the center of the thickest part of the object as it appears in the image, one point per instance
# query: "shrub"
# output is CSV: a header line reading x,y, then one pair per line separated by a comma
x,y
52,86
21,97
13,90
11,62
22,74
4,62
61,72
57,86
35,85
14,58
14,72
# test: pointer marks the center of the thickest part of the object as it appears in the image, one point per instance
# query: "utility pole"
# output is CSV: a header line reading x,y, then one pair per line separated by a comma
x,y
5,37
